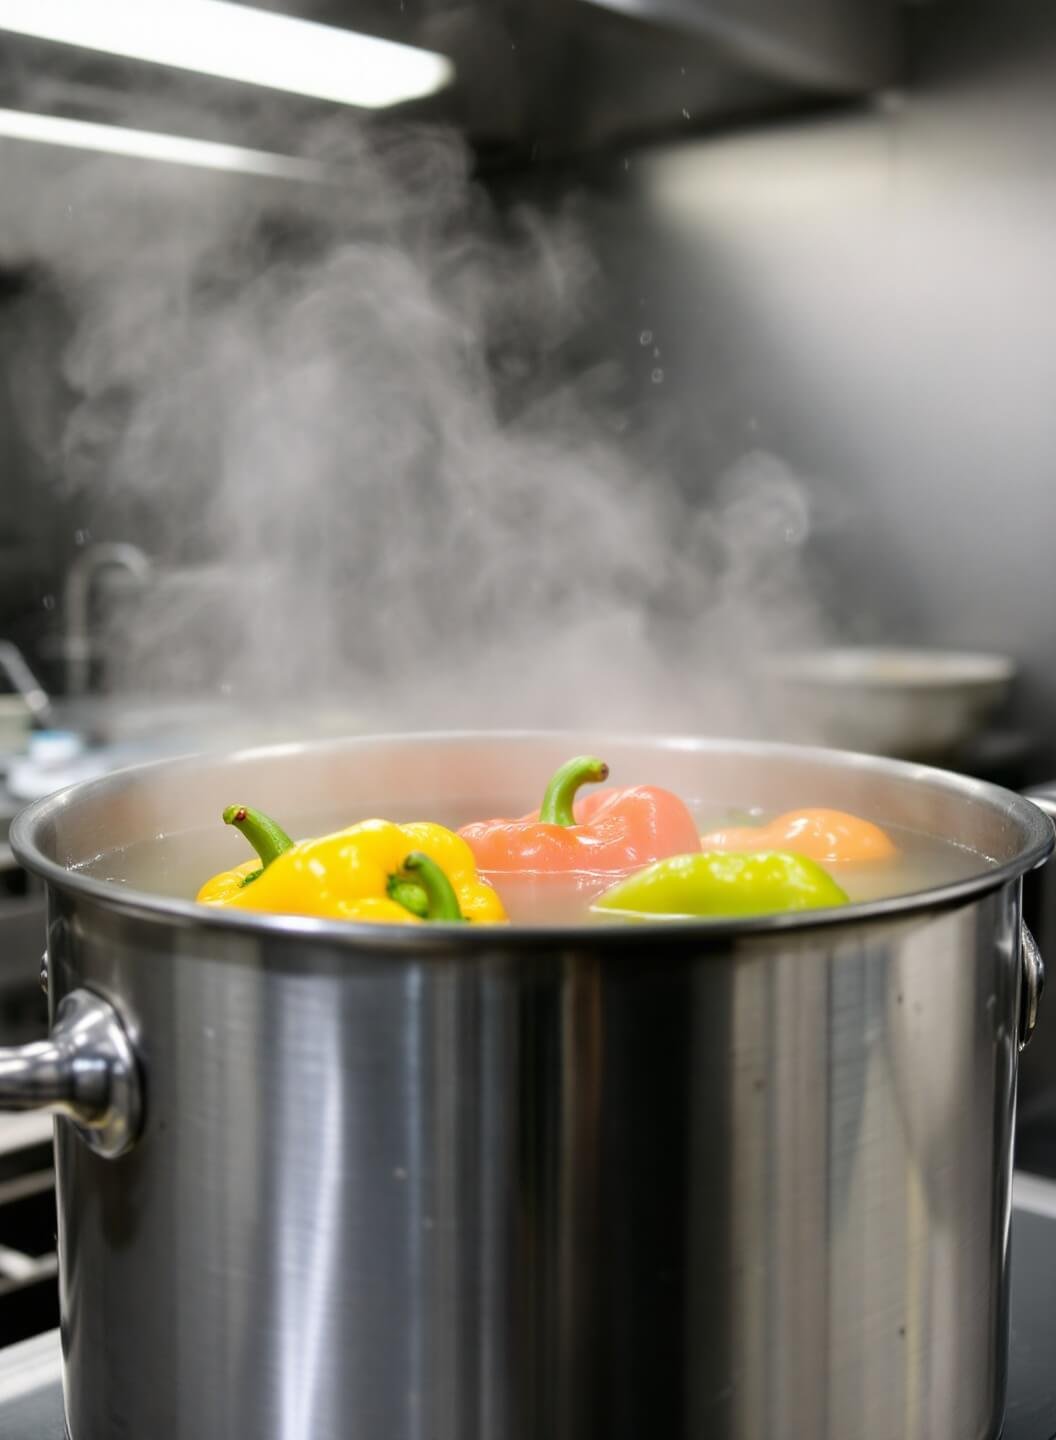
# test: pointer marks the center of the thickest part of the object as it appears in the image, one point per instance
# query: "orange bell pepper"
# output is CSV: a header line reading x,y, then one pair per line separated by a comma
x,y
831,837
614,832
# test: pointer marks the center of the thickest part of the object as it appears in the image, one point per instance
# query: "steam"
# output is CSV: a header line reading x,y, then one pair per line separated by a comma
x,y
348,423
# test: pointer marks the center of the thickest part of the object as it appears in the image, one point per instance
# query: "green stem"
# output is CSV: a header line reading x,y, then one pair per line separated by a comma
x,y
556,808
410,895
441,902
268,839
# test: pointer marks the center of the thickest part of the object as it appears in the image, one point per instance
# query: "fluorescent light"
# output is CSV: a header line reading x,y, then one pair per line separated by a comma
x,y
151,145
238,42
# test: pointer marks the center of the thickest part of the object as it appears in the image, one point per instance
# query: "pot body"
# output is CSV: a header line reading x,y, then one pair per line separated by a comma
x,y
572,1186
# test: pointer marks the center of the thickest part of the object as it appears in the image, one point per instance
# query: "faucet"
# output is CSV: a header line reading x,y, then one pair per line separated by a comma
x,y
77,645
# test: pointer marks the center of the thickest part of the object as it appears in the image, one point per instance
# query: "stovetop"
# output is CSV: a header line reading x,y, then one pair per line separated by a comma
x,y
1031,1412
31,1398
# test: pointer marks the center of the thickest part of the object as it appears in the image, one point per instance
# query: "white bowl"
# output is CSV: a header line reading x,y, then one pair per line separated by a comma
x,y
909,703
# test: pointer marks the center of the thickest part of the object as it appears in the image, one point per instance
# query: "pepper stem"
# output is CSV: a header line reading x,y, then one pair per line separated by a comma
x,y
410,895
419,873
268,839
556,808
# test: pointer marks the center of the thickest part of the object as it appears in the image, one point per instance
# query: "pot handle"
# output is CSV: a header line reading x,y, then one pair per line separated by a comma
x,y
86,1070
1033,986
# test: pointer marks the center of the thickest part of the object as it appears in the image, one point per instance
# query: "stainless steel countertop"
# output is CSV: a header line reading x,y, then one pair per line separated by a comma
x,y
20,1131
28,1368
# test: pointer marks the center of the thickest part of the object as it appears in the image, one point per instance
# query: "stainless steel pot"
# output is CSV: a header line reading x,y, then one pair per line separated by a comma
x,y
324,1182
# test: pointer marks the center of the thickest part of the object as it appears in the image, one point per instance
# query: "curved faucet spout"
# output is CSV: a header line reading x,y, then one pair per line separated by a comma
x,y
116,554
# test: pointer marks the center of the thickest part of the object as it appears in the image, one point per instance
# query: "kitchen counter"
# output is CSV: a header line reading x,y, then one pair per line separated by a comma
x,y
30,1393
9,808
23,921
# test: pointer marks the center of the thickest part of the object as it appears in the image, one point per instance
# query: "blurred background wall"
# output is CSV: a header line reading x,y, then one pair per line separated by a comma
x,y
863,298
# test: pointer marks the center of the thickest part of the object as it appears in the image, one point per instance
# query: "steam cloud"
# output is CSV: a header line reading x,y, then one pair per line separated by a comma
x,y
346,421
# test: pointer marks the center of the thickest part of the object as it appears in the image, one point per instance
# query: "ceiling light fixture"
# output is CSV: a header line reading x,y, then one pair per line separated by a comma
x,y
239,42
151,145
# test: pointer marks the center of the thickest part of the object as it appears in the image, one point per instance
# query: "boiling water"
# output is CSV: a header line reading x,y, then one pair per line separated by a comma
x,y
177,865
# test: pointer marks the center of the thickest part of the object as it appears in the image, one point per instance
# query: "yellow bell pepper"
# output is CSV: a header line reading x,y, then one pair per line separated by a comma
x,y
375,871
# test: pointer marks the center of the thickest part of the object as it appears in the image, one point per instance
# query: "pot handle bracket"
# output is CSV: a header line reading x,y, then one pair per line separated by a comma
x,y
1033,986
86,1071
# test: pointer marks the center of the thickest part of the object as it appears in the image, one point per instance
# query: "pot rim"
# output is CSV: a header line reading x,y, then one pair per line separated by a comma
x,y
1038,828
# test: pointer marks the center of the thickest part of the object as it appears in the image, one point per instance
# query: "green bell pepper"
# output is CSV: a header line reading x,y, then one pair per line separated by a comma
x,y
723,884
